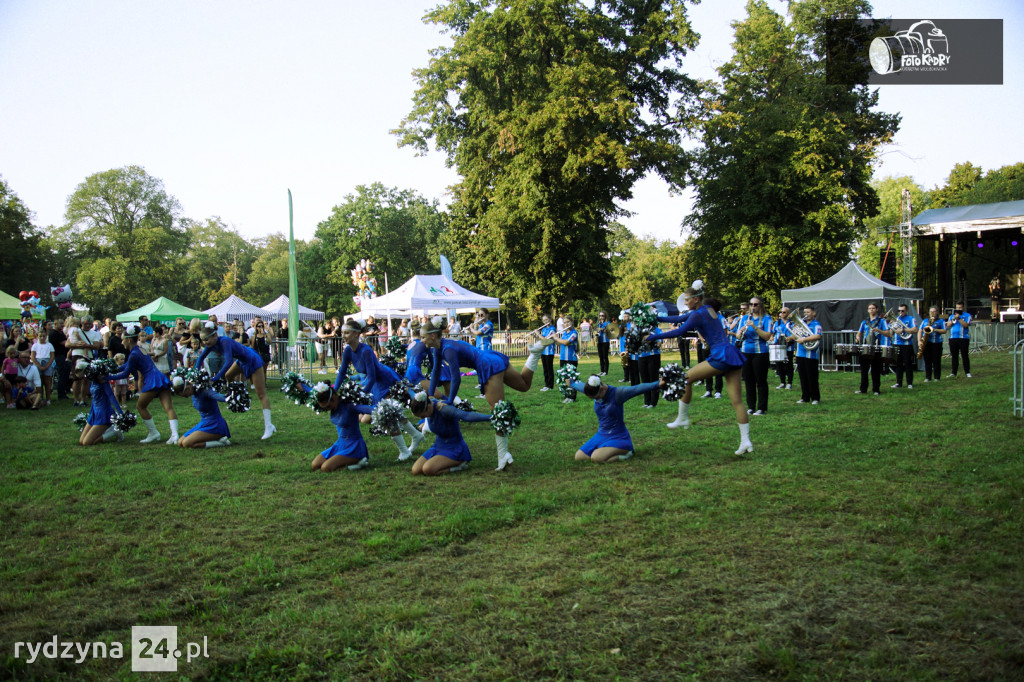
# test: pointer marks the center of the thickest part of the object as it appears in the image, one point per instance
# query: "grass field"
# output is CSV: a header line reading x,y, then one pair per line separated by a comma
x,y
868,537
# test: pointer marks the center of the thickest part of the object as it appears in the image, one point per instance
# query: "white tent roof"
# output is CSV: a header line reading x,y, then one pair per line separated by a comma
x,y
278,310
428,293
852,283
235,308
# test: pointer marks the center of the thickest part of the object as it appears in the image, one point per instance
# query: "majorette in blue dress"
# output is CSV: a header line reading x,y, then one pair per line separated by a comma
x,y
210,419
458,354
722,354
444,423
248,359
611,428
153,380
377,378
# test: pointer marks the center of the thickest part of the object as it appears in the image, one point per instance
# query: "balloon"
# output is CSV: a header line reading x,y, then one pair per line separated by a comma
x,y
34,294
22,295
61,296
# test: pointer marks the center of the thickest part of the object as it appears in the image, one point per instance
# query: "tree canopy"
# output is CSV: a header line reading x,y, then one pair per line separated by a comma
x,y
550,110
782,179
21,251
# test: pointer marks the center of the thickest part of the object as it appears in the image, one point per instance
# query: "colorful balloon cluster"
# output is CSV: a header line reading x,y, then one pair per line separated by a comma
x,y
363,279
30,304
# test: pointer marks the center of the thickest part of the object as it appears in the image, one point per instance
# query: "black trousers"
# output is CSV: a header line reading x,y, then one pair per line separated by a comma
x,y
906,360
634,371
932,361
63,372
571,392
709,385
684,350
871,365
548,362
626,364
957,349
649,367
807,369
784,370
602,355
755,378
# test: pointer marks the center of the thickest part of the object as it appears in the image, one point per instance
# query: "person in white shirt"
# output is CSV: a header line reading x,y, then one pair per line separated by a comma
x,y
42,357
94,336
29,371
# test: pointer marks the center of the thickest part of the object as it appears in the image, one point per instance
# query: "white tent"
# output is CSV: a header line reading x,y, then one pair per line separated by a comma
x,y
428,293
235,308
278,310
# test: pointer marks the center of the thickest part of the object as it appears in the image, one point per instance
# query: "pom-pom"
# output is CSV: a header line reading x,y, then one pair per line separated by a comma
x,y
237,398
387,417
394,347
124,421
352,392
571,373
401,392
504,417
675,380
461,404
420,397
197,376
97,369
81,420
291,386
698,286
644,322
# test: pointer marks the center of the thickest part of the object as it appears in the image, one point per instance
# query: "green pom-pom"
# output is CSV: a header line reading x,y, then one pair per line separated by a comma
x,y
505,418
81,420
572,373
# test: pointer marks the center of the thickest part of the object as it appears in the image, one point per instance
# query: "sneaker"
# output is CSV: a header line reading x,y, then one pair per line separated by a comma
x,y
623,381
750,412
647,407
896,386
706,395
323,371
717,396
568,400
602,374
780,386
951,376
361,464
759,413
927,380
482,397
859,392
789,387
11,406
801,402
878,393
504,461
48,402
910,386
968,376
545,389
814,402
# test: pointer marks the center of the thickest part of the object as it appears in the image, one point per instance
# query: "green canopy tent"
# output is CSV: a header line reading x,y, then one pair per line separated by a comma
x,y
161,310
10,308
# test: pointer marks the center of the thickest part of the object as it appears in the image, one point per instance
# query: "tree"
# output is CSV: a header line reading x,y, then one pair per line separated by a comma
x,y
397,230
268,277
1001,184
783,177
128,220
21,253
550,110
959,184
650,270
880,229
218,263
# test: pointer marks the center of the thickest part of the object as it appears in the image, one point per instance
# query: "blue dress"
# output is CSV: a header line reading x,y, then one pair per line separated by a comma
x,y
153,380
377,378
210,420
104,404
414,358
248,359
444,423
722,354
350,441
458,354
611,428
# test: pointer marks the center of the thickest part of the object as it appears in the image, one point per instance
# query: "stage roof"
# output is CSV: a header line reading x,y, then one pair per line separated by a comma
x,y
977,218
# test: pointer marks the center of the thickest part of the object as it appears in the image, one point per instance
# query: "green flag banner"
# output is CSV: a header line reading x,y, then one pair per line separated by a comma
x,y
293,280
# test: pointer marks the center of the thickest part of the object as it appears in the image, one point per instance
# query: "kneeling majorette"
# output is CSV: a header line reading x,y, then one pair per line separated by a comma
x,y
154,385
612,440
350,448
492,368
723,358
449,453
211,431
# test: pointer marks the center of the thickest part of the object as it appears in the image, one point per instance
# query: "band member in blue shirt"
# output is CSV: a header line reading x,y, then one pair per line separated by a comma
x,y
755,330
723,358
568,353
873,332
483,329
780,333
929,342
547,356
958,328
603,342
807,360
905,358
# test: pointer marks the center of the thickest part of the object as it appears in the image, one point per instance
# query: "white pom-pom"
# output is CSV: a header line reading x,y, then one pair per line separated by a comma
x,y
437,320
81,365
321,387
594,381
177,382
420,397
698,285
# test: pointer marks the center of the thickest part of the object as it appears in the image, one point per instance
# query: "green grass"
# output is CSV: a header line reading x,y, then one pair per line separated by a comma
x,y
865,538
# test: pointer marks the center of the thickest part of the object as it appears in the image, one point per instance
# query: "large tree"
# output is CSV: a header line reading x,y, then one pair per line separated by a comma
x,y
882,234
550,110
128,220
21,253
398,230
219,261
783,177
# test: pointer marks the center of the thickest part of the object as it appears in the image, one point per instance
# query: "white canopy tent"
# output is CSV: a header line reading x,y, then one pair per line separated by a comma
x,y
278,310
427,294
235,308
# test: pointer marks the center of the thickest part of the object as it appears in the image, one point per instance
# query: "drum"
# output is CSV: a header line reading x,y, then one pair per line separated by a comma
x,y
846,351
777,353
888,354
869,351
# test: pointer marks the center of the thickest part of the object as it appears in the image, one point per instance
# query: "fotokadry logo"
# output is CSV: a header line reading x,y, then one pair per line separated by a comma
x,y
922,47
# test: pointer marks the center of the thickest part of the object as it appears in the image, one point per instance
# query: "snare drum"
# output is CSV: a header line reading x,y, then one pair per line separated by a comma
x,y
869,351
846,351
888,354
777,353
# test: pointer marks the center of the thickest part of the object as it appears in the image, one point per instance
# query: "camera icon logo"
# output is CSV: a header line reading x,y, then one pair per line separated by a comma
x,y
922,45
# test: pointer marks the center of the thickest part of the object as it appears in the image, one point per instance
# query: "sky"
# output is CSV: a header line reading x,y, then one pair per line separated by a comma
x,y
232,103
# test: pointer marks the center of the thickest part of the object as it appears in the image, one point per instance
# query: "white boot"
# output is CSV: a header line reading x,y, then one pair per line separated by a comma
x,y
683,419
745,444
214,443
268,428
403,450
414,433
623,458
154,435
458,467
224,439
533,358
173,440
504,457
361,464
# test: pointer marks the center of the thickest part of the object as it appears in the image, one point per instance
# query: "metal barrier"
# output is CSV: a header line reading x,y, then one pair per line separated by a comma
x,y
1017,355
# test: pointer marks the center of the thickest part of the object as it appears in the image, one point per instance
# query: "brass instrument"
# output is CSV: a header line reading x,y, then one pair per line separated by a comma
x,y
802,331
612,330
925,331
897,326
